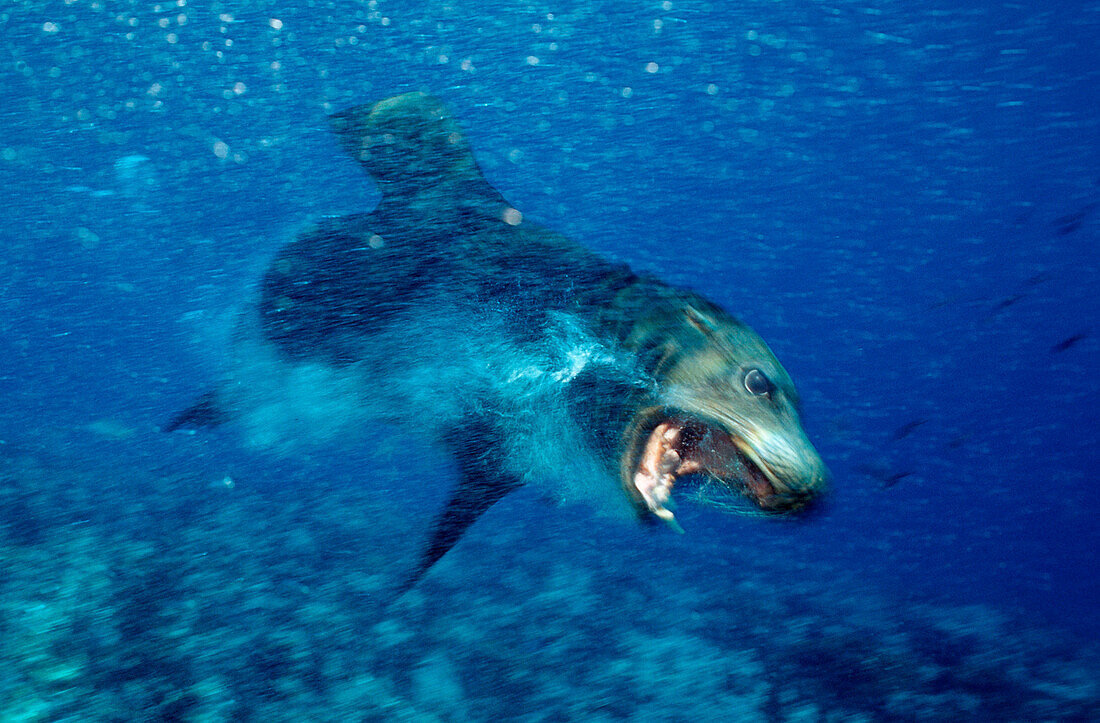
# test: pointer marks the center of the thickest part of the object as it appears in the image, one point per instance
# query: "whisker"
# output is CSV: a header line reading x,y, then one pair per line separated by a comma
x,y
712,491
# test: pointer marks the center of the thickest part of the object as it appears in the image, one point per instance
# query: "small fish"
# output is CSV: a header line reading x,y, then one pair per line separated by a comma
x,y
959,440
883,472
1068,343
1040,278
908,428
894,479
1072,221
945,302
1005,303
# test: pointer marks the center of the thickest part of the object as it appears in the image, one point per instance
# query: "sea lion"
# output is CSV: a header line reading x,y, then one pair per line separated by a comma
x,y
529,358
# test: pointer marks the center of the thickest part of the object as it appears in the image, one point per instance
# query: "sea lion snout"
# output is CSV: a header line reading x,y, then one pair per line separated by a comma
x,y
792,465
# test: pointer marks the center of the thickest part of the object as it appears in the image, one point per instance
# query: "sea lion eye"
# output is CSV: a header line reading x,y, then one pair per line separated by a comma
x,y
757,383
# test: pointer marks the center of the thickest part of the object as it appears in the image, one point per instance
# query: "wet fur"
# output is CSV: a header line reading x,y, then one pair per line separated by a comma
x,y
437,371
522,354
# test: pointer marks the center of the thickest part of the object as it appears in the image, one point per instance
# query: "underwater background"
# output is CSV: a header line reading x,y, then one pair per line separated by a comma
x,y
902,198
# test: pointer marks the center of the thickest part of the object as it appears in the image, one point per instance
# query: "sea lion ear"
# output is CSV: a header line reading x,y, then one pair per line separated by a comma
x,y
702,321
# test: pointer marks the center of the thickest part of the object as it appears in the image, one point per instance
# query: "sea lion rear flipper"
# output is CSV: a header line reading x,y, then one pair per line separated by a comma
x,y
481,485
205,412
412,147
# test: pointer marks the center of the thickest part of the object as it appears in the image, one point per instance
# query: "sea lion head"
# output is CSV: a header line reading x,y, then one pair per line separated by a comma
x,y
724,410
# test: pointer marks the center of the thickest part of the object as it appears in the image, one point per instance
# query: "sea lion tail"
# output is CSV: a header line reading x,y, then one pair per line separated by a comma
x,y
410,144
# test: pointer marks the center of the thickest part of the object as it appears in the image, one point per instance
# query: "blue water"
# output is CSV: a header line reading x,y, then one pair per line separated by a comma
x,y
902,198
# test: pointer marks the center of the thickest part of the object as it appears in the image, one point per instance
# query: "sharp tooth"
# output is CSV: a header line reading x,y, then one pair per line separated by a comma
x,y
670,519
689,467
670,460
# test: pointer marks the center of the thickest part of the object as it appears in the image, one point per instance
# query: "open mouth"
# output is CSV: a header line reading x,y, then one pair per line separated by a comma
x,y
728,467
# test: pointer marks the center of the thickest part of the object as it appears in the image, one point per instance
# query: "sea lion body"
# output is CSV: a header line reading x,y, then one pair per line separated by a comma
x,y
526,356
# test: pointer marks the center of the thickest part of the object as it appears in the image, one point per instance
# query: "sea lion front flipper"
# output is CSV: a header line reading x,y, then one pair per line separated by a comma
x,y
481,485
